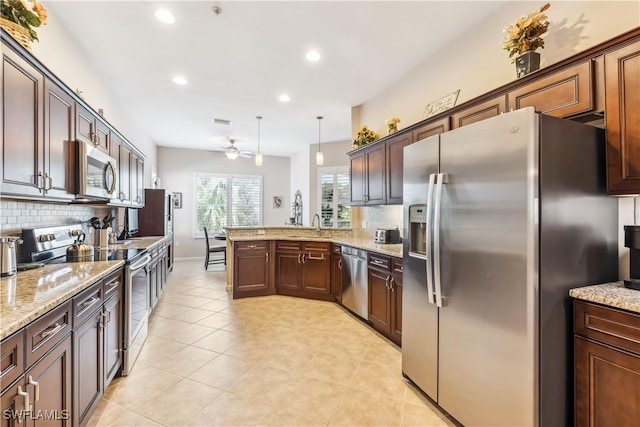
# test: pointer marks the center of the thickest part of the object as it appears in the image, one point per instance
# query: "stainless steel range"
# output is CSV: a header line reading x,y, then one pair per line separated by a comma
x,y
48,245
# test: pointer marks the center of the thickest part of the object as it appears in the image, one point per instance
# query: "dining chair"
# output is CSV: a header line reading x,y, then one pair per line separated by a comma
x,y
208,260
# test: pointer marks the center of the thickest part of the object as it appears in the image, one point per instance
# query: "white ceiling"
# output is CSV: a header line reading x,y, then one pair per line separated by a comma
x,y
239,62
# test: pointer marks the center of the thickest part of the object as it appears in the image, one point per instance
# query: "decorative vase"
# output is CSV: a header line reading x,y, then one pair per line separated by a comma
x,y
527,63
18,32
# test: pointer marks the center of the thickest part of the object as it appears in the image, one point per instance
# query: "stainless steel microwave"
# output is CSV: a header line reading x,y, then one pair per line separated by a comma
x,y
97,173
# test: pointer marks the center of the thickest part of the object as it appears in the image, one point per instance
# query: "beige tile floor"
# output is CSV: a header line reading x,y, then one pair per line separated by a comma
x,y
210,360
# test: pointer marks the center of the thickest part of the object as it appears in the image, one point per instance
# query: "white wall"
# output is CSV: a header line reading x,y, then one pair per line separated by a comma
x,y
299,177
335,154
176,167
67,60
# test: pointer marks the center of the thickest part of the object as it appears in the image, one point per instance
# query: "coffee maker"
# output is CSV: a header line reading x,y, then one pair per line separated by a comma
x,y
632,241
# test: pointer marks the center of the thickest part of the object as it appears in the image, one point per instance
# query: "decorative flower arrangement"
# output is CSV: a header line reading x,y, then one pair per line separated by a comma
x,y
364,136
392,124
525,34
29,14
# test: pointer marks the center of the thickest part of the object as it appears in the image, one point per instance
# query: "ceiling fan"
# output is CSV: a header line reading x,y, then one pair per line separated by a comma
x,y
232,152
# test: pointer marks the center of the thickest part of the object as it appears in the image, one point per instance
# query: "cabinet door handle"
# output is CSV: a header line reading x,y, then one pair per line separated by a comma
x,y
56,328
299,258
25,396
321,257
40,182
267,254
377,262
386,282
90,302
252,246
304,260
340,263
112,285
36,388
50,181
392,285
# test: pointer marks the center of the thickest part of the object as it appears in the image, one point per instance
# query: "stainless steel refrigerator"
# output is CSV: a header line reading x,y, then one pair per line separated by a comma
x,y
503,217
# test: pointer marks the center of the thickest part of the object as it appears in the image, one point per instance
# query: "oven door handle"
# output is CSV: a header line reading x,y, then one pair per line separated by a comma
x,y
140,263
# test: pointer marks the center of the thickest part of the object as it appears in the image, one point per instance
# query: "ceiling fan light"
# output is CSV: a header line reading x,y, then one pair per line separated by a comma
x,y
258,159
232,155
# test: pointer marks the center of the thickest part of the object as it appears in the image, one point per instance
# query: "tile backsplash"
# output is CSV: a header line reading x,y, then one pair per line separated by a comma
x,y
376,217
16,214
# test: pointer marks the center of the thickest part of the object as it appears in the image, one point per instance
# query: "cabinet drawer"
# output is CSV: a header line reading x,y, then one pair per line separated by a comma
x,y
283,245
396,265
566,93
87,302
11,358
255,245
112,286
317,246
379,262
44,333
608,325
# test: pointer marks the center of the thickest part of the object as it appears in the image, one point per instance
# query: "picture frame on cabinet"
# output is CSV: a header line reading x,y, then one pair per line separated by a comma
x,y
177,200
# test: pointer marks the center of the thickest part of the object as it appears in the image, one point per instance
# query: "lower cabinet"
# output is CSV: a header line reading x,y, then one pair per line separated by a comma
x,y
385,295
336,273
251,269
607,366
303,269
44,389
113,337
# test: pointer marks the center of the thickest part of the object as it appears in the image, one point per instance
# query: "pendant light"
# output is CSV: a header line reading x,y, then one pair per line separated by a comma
x,y
259,154
319,155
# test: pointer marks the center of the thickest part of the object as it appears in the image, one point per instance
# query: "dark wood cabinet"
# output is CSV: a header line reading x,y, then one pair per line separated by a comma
x,y
567,93
88,362
394,155
122,154
607,366
336,273
303,269
251,269
91,129
622,119
316,270
385,295
137,179
156,217
113,331
37,155
379,300
484,110
367,172
46,386
431,128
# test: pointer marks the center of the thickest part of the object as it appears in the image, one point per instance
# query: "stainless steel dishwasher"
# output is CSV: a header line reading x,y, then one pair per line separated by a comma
x,y
355,292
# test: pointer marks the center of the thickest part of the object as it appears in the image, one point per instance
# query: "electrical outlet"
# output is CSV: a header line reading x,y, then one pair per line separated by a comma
x,y
364,224
177,243
261,232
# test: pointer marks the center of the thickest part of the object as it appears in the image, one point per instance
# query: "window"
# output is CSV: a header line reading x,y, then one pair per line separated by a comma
x,y
334,197
226,200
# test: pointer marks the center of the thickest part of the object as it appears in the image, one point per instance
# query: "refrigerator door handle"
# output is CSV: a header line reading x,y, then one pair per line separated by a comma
x,y
440,180
428,238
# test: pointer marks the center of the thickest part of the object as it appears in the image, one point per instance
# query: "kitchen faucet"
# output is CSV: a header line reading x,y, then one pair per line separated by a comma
x,y
313,222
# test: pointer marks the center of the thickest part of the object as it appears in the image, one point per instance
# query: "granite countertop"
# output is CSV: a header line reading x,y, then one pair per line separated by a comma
x,y
612,294
139,242
367,244
29,294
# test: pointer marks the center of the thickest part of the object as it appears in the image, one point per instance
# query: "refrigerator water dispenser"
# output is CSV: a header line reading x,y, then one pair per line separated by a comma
x,y
417,231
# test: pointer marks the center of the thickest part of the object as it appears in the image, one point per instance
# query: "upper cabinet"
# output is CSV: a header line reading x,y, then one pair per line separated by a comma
x,y
37,123
41,121
91,129
622,119
603,81
491,108
569,92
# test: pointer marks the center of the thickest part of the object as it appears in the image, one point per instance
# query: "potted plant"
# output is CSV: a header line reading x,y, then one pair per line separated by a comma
x,y
20,17
364,136
392,124
523,37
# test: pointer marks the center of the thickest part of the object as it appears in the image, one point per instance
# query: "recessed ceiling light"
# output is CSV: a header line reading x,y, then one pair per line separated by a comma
x,y
313,56
179,80
165,16
284,98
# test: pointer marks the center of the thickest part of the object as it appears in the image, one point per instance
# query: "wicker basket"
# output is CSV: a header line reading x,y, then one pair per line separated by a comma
x,y
18,32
